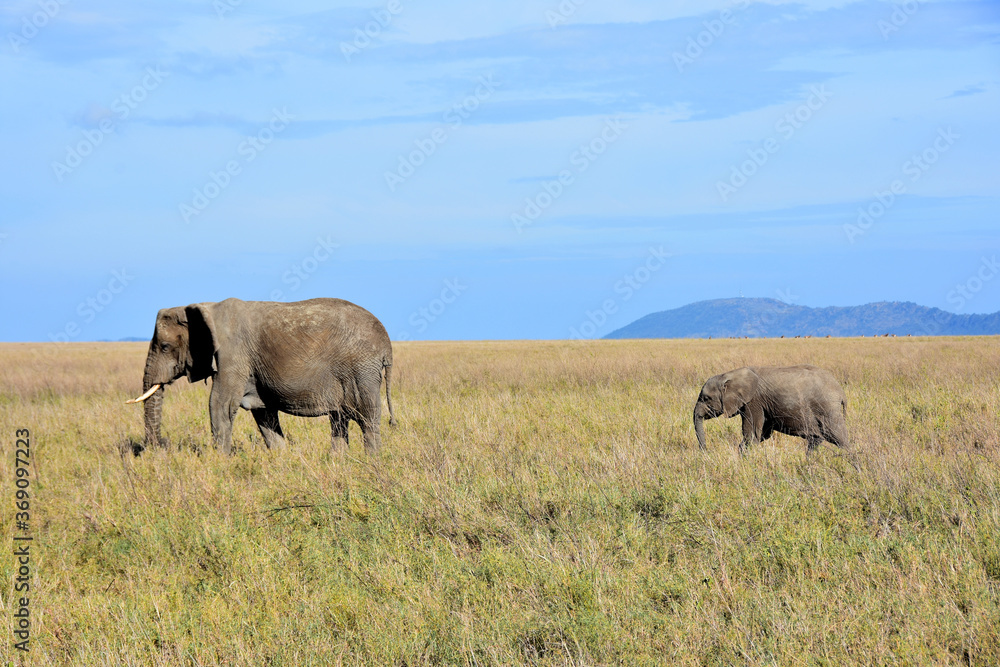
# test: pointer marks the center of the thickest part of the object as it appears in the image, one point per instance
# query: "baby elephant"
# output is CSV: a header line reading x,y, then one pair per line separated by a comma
x,y
798,400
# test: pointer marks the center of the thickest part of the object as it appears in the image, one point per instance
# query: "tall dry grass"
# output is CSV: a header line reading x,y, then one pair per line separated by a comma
x,y
539,503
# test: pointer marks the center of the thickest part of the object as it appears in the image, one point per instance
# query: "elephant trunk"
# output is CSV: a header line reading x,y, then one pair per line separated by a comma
x,y
699,425
152,408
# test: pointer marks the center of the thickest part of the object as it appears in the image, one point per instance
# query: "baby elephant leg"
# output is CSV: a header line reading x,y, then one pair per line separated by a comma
x,y
338,430
270,427
753,426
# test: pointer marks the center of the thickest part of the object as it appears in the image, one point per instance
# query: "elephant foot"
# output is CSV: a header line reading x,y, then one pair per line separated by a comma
x,y
274,442
373,443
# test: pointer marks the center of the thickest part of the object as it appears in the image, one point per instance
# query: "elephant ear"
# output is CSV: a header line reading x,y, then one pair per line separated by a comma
x,y
738,389
203,342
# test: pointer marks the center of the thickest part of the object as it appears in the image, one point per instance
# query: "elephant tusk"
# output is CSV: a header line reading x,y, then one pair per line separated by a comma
x,y
152,390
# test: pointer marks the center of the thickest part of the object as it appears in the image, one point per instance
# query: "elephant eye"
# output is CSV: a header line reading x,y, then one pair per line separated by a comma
x,y
165,347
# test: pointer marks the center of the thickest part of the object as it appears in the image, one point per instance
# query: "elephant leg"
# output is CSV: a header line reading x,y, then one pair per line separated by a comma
x,y
370,415
338,430
223,405
747,434
767,429
371,431
753,425
270,427
812,442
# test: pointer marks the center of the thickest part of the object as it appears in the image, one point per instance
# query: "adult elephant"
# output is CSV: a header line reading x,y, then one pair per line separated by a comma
x,y
804,401
308,358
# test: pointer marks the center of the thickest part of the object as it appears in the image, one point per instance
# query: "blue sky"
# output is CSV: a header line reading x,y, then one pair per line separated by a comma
x,y
494,170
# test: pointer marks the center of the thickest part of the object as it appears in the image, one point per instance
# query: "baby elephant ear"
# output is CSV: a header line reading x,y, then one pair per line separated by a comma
x,y
738,389
203,342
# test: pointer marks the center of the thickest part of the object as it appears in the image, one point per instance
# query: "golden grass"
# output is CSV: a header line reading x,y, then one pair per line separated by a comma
x,y
539,503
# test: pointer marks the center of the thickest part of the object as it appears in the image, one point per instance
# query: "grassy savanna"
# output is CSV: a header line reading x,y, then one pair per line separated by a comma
x,y
539,503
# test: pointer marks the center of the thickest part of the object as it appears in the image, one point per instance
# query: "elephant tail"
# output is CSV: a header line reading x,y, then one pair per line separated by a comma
x,y
387,367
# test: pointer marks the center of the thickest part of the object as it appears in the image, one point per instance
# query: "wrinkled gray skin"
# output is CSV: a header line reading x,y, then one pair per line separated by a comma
x,y
804,401
308,358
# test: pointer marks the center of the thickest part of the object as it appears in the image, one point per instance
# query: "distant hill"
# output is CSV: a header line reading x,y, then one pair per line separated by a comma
x,y
769,318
